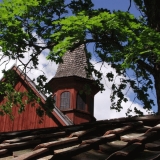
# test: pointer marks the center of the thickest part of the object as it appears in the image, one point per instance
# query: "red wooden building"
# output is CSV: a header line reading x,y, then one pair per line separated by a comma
x,y
73,103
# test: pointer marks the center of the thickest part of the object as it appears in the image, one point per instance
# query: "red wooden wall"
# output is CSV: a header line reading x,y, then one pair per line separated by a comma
x,y
27,119
75,115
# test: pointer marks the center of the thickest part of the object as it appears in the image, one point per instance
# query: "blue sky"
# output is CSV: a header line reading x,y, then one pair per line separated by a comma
x,y
116,5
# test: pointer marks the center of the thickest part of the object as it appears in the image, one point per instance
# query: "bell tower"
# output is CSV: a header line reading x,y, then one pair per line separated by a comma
x,y
73,91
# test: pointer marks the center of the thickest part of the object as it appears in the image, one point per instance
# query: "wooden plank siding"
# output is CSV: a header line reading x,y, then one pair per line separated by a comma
x,y
27,119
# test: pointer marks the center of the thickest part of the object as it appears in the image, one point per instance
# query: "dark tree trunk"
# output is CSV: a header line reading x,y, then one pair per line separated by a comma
x,y
157,88
156,76
152,11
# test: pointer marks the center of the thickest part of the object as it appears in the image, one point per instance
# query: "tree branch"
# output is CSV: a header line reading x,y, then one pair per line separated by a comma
x,y
130,3
146,66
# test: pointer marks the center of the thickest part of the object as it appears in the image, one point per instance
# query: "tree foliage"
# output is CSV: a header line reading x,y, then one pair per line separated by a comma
x,y
127,43
122,41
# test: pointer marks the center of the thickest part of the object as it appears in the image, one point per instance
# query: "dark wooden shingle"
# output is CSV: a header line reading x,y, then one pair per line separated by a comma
x,y
74,64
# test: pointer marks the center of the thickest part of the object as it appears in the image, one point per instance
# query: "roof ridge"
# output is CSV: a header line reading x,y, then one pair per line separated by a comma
x,y
66,119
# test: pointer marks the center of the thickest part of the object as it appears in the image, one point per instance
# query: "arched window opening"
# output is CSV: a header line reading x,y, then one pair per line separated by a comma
x,y
65,100
81,102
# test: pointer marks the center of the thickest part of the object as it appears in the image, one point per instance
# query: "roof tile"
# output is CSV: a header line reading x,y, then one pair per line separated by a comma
x,y
127,152
31,154
20,144
55,143
3,151
152,146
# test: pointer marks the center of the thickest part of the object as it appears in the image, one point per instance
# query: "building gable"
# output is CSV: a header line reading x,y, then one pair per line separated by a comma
x,y
29,118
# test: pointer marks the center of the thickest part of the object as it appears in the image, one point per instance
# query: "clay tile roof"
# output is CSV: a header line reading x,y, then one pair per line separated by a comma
x,y
134,138
74,64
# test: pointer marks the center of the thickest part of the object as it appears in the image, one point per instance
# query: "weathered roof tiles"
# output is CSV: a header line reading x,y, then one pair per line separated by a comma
x,y
127,138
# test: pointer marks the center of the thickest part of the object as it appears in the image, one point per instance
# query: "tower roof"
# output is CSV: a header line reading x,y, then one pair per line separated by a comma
x,y
74,64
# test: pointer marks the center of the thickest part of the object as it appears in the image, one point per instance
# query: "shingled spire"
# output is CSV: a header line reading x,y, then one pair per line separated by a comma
x,y
74,64
73,91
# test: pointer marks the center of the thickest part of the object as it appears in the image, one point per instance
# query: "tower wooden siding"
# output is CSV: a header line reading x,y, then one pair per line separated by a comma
x,y
76,116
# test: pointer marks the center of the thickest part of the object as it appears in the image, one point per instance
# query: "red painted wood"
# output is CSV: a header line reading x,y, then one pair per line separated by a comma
x,y
78,116
30,120
27,119
73,85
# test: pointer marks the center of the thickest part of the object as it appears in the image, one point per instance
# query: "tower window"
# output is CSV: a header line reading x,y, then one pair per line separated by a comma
x,y
81,101
65,100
